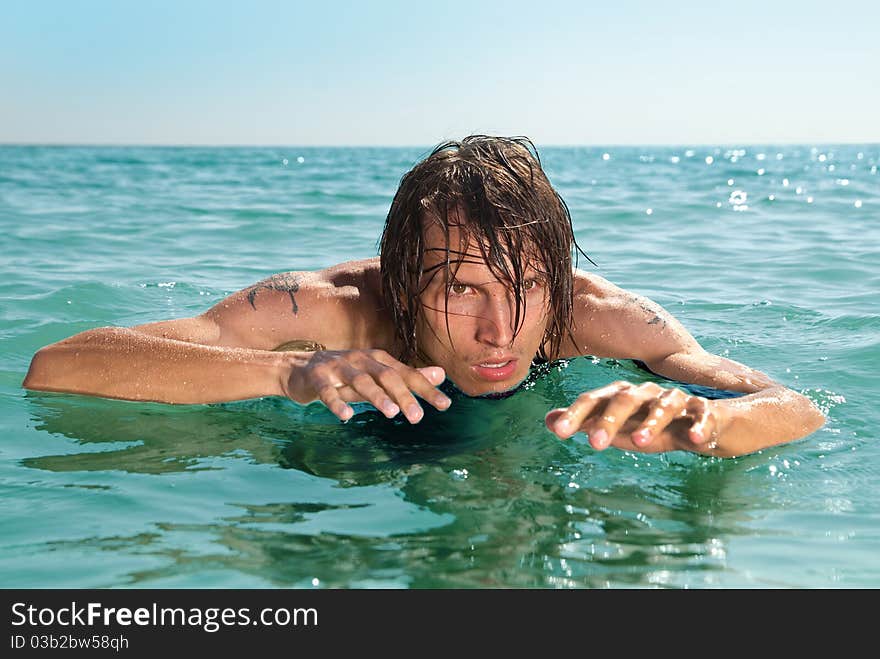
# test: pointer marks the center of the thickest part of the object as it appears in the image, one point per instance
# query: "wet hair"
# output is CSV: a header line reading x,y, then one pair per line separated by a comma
x,y
494,190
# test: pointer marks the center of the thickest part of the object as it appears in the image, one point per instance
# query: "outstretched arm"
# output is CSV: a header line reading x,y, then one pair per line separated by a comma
x,y
230,353
221,355
611,322
133,364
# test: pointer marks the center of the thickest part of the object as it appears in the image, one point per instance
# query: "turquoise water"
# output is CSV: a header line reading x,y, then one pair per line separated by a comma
x,y
769,255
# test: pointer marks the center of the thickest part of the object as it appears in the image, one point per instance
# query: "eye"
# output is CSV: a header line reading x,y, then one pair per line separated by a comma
x,y
530,284
458,288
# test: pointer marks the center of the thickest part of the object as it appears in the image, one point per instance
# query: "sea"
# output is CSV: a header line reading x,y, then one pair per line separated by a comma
x,y
768,254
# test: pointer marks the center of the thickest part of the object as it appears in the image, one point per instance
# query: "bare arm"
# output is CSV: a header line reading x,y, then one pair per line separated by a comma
x,y
229,352
770,414
129,363
611,322
224,354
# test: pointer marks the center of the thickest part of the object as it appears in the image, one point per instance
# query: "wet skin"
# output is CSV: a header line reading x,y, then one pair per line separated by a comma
x,y
467,322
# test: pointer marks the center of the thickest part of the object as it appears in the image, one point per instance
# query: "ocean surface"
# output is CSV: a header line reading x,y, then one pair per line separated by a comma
x,y
769,255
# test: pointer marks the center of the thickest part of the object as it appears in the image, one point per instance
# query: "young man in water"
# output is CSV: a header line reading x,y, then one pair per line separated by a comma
x,y
474,281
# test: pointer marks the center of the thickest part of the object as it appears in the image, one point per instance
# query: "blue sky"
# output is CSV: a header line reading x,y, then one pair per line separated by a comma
x,y
415,73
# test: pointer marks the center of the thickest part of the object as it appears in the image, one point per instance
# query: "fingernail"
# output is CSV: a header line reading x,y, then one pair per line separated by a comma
x,y
390,408
564,424
641,436
414,413
599,438
443,402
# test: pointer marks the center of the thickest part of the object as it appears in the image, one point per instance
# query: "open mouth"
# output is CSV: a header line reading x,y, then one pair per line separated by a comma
x,y
495,371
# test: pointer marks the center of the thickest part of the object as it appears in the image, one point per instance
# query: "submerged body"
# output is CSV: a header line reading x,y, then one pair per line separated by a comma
x,y
467,287
229,353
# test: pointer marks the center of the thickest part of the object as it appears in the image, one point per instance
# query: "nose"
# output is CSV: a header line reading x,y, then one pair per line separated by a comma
x,y
495,326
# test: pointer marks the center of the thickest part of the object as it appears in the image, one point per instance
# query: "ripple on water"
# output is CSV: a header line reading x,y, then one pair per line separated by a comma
x,y
267,493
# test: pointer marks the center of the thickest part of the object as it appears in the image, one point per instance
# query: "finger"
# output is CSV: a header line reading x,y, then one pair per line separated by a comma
x,y
566,421
396,388
619,408
552,417
329,395
393,382
435,375
663,411
704,428
415,380
421,381
368,390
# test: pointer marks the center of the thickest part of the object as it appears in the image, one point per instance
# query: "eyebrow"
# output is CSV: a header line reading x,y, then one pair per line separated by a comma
x,y
433,268
531,271
446,262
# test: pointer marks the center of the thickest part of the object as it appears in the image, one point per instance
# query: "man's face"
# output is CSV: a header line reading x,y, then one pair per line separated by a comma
x,y
478,351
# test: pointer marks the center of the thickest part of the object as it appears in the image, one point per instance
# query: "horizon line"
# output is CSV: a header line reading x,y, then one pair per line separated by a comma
x,y
244,145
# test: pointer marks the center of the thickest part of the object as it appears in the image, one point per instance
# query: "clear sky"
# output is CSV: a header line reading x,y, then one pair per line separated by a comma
x,y
324,72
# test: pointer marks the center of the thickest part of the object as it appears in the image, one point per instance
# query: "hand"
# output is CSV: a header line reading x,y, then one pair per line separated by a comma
x,y
603,413
340,377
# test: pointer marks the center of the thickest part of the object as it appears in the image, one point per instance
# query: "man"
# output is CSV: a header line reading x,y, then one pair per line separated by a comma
x,y
474,281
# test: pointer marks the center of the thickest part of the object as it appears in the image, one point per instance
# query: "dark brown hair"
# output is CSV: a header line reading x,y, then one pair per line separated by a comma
x,y
510,210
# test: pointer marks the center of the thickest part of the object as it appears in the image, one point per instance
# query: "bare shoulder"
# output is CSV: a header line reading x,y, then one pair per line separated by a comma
x,y
337,307
596,295
354,277
594,290
351,280
610,321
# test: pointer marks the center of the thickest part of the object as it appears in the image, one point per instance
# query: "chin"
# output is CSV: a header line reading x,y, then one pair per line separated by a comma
x,y
475,389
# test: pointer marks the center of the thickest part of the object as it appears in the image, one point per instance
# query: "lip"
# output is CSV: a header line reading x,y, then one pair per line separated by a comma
x,y
495,373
